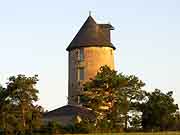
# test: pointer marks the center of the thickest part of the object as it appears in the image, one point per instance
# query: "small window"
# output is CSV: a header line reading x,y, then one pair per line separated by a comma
x,y
81,74
81,56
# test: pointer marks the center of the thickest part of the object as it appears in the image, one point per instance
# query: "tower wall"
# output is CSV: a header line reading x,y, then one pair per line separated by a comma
x,y
93,59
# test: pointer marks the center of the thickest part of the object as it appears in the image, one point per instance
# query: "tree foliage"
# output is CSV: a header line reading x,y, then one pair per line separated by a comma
x,y
110,95
158,111
119,101
17,104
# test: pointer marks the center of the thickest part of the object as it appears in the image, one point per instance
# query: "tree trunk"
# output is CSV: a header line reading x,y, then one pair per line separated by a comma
x,y
3,120
126,121
23,117
126,114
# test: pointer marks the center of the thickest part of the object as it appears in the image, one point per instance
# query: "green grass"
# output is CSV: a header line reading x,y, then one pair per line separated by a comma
x,y
158,133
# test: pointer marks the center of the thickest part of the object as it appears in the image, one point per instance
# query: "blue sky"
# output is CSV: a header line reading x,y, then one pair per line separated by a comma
x,y
35,33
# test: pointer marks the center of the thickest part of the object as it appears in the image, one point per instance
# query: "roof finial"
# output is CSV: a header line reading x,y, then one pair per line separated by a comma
x,y
89,12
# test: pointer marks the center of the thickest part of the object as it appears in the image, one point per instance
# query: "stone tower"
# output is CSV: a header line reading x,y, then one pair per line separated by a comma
x,y
90,49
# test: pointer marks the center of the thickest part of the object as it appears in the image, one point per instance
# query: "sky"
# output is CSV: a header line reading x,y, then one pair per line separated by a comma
x,y
34,35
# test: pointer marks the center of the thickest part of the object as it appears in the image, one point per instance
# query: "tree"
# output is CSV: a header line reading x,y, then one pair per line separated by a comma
x,y
34,118
158,110
100,95
110,94
22,94
129,95
18,112
5,107
2,107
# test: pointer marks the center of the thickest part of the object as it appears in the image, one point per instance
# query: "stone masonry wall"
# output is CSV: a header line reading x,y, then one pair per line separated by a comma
x,y
94,58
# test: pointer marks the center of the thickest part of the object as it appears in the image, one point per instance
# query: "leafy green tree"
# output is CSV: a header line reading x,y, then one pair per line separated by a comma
x,y
23,94
18,112
34,118
54,127
111,94
2,105
82,125
8,117
174,123
158,110
99,94
136,121
130,94
5,109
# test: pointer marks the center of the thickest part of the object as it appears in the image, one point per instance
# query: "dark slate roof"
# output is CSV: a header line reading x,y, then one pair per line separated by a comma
x,y
92,34
71,110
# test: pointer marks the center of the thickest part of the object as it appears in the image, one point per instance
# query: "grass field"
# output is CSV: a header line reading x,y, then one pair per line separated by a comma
x,y
159,133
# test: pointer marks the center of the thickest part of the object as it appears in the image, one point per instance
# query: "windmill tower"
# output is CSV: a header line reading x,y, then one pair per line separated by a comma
x,y
90,49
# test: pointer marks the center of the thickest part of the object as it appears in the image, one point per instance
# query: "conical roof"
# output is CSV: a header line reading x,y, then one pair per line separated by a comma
x,y
92,34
